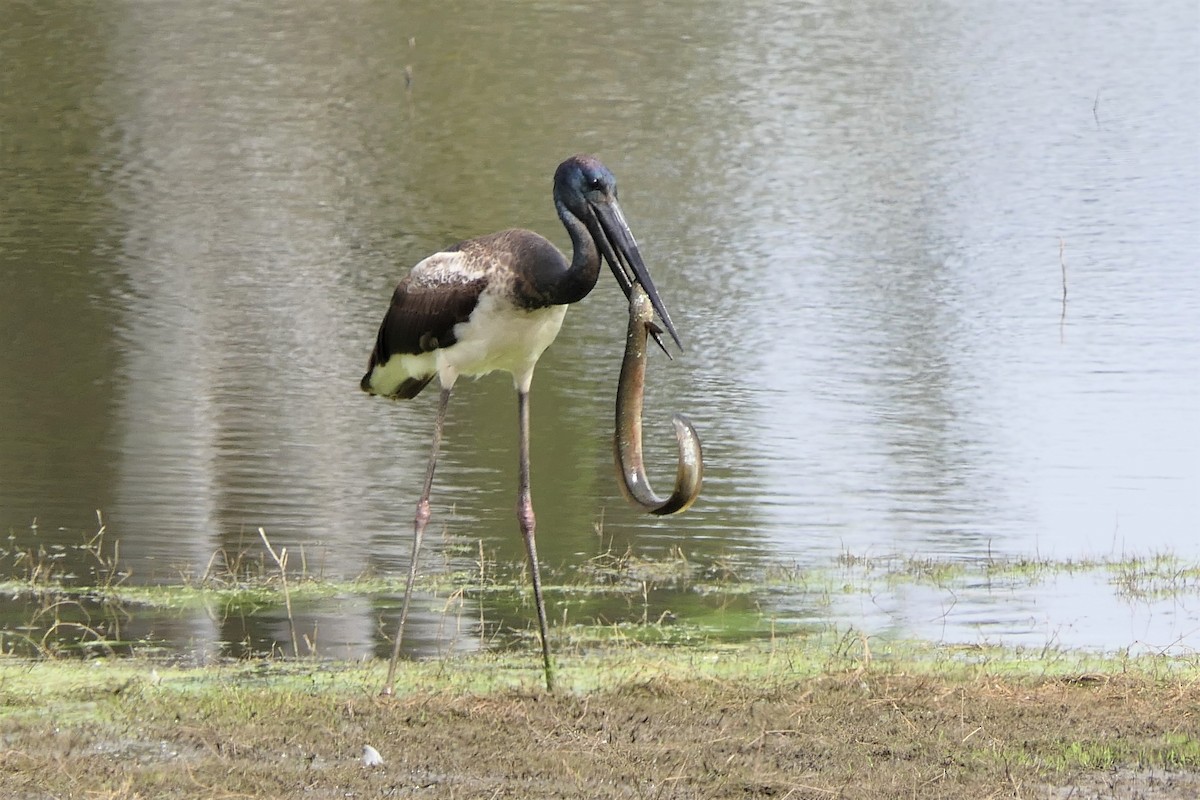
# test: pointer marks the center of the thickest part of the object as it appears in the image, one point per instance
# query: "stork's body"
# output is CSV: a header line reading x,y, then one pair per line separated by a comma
x,y
470,310
496,303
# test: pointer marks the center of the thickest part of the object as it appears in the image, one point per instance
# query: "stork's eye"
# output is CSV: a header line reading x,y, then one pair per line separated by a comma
x,y
595,182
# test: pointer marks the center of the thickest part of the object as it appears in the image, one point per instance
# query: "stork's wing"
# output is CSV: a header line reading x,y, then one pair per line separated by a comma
x,y
421,318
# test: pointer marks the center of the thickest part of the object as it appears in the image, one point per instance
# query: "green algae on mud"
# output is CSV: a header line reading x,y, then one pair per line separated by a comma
x,y
612,598
246,583
824,716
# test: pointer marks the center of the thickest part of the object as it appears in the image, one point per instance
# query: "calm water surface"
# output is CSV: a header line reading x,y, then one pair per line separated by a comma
x,y
860,215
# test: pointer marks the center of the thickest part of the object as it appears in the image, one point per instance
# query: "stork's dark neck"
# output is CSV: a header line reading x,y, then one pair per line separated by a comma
x,y
580,278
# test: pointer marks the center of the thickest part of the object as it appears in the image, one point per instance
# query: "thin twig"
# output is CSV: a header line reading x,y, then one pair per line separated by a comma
x,y
281,560
1062,262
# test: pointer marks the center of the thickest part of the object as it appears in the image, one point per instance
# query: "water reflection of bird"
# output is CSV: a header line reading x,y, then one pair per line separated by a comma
x,y
496,303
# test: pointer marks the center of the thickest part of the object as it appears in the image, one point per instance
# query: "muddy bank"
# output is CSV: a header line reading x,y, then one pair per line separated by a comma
x,y
640,723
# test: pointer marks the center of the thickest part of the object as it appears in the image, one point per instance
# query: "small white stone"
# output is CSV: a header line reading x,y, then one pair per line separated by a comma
x,y
371,757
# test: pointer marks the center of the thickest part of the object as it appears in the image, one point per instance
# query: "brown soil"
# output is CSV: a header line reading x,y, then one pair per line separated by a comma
x,y
851,735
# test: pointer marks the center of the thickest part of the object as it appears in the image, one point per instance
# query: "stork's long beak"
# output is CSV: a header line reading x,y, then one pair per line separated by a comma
x,y
619,249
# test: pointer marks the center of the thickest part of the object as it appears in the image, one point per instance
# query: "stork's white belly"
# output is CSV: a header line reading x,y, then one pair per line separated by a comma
x,y
497,336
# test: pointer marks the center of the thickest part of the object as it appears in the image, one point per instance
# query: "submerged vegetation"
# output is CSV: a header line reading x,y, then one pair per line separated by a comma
x,y
611,597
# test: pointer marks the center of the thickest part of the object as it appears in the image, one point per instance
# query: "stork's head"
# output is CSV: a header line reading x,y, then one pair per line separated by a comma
x,y
587,190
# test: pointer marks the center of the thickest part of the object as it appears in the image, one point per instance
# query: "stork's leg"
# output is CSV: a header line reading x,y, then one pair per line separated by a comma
x,y
526,520
419,523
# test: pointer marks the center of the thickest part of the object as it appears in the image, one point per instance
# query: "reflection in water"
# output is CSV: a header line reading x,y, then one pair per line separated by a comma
x,y
855,211
56,365
226,253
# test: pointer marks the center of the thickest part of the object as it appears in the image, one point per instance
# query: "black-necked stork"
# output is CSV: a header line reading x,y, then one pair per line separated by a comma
x,y
496,303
